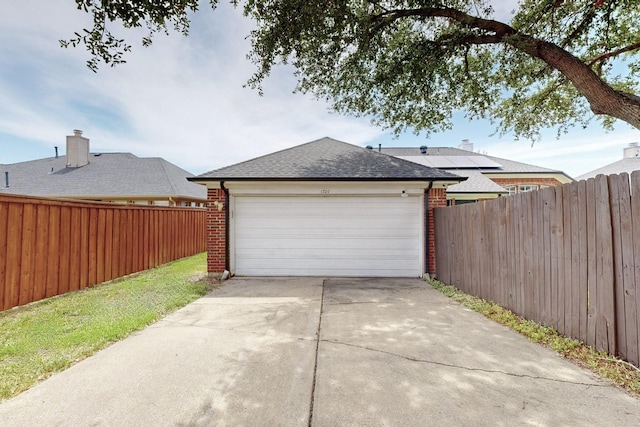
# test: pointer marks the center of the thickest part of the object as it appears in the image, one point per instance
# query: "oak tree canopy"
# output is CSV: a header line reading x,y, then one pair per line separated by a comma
x,y
412,63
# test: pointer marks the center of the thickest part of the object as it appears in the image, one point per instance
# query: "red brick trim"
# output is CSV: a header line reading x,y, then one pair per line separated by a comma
x,y
437,198
216,231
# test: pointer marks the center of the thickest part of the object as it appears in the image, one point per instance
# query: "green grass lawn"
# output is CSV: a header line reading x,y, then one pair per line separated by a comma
x,y
48,336
620,372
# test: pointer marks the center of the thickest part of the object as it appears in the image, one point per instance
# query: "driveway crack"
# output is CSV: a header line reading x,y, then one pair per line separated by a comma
x,y
466,368
315,364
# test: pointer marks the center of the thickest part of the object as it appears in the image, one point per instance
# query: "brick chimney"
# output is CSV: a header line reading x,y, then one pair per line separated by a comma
x,y
77,150
633,150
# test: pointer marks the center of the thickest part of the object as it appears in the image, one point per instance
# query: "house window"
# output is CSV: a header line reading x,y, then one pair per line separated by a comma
x,y
512,189
525,188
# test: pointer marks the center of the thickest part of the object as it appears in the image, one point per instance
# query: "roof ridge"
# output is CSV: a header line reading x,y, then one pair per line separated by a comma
x,y
271,154
166,173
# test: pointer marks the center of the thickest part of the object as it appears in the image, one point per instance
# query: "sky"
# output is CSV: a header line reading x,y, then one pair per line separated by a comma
x,y
183,99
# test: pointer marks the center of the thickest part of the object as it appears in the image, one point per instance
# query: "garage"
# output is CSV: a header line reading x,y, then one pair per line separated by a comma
x,y
324,208
328,236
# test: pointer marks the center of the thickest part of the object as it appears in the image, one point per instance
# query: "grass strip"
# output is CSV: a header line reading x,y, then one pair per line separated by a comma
x,y
45,337
622,373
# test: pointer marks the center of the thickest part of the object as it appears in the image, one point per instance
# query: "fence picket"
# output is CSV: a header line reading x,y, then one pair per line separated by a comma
x,y
14,250
592,259
626,307
65,249
74,251
574,290
53,264
582,261
99,218
4,219
633,328
26,257
42,243
548,197
85,265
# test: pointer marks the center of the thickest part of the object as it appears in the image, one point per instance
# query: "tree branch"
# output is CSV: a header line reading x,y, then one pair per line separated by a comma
x,y
496,27
615,53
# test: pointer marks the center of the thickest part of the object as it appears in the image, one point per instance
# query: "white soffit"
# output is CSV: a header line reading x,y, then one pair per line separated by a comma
x,y
453,162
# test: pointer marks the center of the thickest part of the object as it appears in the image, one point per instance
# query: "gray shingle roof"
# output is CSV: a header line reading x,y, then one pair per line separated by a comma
x,y
107,174
627,165
328,159
476,183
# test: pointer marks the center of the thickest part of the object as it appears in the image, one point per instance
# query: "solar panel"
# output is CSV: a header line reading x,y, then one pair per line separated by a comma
x,y
453,162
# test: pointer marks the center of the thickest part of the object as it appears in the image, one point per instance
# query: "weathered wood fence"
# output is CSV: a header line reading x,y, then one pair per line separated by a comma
x,y
50,247
567,257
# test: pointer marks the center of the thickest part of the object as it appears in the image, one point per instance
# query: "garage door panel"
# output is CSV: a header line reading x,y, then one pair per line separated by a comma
x,y
336,236
320,234
330,243
330,268
328,222
329,253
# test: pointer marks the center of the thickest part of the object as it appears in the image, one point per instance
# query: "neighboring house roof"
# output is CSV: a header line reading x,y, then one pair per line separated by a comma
x,y
477,167
503,165
107,174
476,183
327,159
627,165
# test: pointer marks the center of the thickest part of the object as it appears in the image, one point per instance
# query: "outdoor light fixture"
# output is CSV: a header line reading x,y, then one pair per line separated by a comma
x,y
219,205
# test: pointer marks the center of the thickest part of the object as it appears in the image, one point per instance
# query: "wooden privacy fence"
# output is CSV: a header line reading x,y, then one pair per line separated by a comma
x,y
50,247
567,257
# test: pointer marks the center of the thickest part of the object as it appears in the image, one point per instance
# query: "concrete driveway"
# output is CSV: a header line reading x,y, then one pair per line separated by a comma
x,y
391,352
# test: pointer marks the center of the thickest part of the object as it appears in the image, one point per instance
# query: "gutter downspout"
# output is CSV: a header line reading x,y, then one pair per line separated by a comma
x,y
226,227
426,226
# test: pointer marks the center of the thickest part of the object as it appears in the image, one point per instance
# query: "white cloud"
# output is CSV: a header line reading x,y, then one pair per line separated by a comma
x,y
182,99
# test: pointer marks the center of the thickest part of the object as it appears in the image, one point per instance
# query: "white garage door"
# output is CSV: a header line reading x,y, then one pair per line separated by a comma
x,y
328,236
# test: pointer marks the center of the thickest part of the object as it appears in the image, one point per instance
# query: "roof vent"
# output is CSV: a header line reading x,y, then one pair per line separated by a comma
x,y
368,147
423,149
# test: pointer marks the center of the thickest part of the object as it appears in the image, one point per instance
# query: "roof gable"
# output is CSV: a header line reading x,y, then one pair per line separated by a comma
x,y
327,159
476,183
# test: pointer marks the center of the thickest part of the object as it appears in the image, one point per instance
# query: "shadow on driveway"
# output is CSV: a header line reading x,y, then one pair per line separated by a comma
x,y
391,352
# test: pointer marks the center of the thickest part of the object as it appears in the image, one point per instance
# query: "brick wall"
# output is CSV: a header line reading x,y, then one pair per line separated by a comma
x,y
216,232
437,198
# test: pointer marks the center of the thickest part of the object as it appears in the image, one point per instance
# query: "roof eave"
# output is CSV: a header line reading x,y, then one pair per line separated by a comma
x,y
559,175
138,197
215,183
